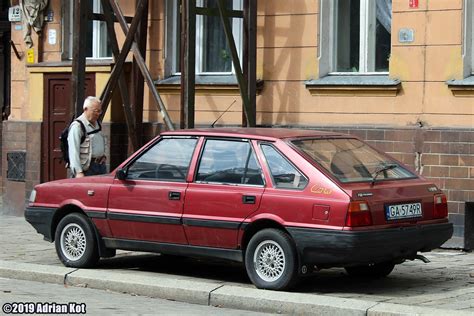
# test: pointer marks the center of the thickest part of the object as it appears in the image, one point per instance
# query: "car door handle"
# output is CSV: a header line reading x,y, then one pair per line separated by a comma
x,y
174,195
248,199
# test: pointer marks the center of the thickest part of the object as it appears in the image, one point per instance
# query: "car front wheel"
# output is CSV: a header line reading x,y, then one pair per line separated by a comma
x,y
377,270
75,242
270,260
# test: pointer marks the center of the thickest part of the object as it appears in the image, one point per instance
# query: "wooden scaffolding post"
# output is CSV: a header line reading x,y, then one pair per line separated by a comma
x,y
78,75
250,55
188,61
129,117
138,81
250,119
140,61
120,61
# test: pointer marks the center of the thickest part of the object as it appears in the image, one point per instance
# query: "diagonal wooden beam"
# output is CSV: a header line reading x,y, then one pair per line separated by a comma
x,y
116,71
129,118
141,63
250,119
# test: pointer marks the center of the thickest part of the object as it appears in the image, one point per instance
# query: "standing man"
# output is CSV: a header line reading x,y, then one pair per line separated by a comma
x,y
87,158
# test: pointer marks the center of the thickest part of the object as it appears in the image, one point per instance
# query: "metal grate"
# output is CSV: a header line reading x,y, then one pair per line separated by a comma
x,y
16,162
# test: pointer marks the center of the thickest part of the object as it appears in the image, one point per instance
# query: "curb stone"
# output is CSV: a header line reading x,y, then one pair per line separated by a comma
x,y
210,293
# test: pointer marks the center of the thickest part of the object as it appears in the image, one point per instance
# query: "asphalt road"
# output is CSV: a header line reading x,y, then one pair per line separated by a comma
x,y
97,302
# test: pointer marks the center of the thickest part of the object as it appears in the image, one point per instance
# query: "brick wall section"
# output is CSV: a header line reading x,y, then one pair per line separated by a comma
x,y
445,156
117,140
20,136
33,157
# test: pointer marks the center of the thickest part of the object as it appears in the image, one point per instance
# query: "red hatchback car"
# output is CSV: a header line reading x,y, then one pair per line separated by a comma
x,y
285,202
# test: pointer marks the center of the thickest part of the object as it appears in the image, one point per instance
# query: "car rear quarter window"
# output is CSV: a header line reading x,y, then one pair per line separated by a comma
x,y
229,161
284,174
352,160
167,160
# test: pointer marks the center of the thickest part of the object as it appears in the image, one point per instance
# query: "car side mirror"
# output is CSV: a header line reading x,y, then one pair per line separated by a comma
x,y
121,174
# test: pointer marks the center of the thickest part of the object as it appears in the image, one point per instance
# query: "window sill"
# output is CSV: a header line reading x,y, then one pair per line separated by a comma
x,y
92,65
357,85
205,85
462,88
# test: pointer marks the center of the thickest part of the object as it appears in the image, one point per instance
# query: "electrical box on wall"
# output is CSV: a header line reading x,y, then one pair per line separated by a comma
x,y
14,14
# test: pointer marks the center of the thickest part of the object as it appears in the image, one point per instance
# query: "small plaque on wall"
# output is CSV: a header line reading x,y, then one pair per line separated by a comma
x,y
406,35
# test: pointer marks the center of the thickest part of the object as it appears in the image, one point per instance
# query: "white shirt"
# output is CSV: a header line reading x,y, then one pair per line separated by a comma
x,y
96,148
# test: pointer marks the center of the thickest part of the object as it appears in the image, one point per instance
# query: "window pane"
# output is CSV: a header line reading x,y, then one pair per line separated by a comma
x,y
216,52
167,160
88,38
177,36
351,160
383,34
225,161
104,47
348,35
284,175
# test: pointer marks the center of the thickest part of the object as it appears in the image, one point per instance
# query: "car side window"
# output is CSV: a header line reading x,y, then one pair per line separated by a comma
x,y
284,174
167,160
229,161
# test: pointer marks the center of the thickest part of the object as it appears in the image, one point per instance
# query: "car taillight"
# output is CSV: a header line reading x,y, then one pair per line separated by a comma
x,y
440,209
358,214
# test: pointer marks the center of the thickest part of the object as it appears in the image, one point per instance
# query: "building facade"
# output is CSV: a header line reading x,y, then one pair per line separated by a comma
x,y
398,74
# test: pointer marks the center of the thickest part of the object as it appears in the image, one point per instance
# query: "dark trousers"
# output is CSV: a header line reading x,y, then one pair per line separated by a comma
x,y
95,169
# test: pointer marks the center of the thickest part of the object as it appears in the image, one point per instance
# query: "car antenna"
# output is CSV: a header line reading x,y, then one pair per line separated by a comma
x,y
217,119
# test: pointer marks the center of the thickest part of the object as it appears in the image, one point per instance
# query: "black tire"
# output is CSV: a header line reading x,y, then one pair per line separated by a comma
x,y
279,272
75,241
377,270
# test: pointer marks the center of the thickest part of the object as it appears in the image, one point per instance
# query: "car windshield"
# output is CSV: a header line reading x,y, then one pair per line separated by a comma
x,y
351,160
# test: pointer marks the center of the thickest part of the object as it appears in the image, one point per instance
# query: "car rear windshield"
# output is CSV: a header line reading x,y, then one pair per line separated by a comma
x,y
351,160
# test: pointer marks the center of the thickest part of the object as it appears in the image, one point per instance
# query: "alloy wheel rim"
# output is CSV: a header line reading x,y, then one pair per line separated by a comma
x,y
73,242
269,261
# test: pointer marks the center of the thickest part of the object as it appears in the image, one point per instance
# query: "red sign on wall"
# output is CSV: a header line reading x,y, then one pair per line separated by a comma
x,y
413,4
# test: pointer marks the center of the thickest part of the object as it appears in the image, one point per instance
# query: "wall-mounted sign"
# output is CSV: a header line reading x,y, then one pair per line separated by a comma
x,y
30,56
413,4
52,37
406,35
14,14
49,16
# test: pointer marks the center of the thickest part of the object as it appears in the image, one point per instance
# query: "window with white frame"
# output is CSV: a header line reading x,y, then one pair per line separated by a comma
x,y
355,36
212,52
468,38
97,45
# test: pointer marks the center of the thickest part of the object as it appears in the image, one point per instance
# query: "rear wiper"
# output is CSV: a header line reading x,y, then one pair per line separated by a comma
x,y
383,167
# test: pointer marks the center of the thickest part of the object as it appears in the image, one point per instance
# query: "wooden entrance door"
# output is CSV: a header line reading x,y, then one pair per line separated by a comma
x,y
56,115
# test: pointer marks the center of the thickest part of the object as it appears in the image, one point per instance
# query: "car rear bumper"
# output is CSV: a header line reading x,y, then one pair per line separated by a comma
x,y
41,219
329,248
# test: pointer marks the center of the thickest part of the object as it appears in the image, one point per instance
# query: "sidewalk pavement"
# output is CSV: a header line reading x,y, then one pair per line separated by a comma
x,y
444,286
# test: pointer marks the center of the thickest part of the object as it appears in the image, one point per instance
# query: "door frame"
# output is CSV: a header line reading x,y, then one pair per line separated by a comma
x,y
47,132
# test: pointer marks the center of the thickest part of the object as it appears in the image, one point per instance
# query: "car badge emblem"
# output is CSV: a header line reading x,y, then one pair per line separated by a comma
x,y
364,194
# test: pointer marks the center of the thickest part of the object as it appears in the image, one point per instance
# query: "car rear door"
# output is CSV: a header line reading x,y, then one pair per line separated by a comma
x,y
148,204
227,187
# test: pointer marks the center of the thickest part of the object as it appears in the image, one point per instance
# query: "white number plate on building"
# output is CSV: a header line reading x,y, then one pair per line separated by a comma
x,y
402,211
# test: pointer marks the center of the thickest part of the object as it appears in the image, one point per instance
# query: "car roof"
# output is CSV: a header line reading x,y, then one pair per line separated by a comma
x,y
254,133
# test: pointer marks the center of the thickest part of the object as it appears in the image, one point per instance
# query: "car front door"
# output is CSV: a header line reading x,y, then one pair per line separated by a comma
x,y
148,204
227,187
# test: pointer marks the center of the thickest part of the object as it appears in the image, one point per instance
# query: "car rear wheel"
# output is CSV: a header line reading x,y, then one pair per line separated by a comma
x,y
377,270
270,260
75,242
